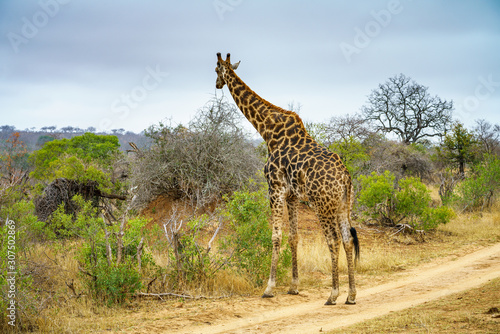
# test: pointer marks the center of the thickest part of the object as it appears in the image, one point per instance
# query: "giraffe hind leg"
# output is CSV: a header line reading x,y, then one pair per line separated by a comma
x,y
332,235
351,247
293,241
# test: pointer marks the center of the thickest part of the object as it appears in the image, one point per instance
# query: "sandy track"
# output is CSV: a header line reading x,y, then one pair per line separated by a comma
x,y
419,285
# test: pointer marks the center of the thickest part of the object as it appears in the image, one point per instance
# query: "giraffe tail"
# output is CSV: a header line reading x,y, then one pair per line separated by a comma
x,y
355,241
354,233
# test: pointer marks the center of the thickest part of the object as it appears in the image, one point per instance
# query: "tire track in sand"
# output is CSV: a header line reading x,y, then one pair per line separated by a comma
x,y
420,285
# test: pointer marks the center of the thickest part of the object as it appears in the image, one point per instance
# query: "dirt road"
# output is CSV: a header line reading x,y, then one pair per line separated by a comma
x,y
307,314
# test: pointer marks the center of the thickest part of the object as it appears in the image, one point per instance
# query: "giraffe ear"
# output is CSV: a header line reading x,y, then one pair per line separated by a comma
x,y
235,65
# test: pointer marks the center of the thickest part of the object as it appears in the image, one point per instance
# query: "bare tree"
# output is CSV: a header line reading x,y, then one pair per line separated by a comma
x,y
201,162
341,128
488,136
68,129
405,108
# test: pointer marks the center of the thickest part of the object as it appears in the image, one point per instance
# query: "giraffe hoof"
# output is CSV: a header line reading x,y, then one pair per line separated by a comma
x,y
349,302
293,292
328,302
265,295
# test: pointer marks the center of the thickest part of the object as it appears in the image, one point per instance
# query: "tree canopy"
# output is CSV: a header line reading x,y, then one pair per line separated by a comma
x,y
83,156
405,108
459,147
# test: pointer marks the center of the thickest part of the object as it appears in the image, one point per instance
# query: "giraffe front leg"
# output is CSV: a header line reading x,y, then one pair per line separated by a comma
x,y
277,213
268,293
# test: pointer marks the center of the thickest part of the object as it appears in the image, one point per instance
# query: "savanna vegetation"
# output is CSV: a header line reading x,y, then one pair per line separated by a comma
x,y
81,236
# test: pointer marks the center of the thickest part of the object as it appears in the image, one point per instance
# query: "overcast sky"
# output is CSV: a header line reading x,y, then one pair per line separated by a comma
x,y
131,64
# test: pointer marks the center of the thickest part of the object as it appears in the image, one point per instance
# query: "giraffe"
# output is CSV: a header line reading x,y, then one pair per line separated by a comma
x,y
298,168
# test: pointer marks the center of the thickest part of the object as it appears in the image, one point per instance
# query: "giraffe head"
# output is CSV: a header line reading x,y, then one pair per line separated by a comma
x,y
222,68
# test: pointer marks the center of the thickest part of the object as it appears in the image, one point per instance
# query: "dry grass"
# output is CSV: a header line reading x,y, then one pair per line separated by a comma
x,y
465,312
475,227
382,255
473,311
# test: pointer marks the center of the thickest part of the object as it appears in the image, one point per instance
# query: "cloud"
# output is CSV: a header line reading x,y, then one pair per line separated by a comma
x,y
89,53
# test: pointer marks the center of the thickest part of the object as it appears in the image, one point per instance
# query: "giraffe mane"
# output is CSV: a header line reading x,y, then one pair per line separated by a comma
x,y
265,102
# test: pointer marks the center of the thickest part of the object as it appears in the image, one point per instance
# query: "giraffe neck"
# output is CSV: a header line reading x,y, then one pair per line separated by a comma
x,y
256,109
278,127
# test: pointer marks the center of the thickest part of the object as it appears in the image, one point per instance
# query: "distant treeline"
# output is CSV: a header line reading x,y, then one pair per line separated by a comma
x,y
35,138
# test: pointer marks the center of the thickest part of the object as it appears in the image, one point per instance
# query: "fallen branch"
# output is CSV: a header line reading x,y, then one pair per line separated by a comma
x,y
402,228
175,295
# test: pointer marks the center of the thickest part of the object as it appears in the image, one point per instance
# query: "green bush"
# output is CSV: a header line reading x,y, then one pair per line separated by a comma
x,y
113,284
191,261
108,263
376,195
19,230
432,217
478,190
353,154
88,157
251,241
412,200
408,203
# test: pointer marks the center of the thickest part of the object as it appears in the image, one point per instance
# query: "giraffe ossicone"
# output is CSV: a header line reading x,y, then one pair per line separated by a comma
x,y
298,168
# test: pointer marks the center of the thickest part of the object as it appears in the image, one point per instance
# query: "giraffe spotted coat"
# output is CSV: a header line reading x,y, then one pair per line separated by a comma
x,y
298,168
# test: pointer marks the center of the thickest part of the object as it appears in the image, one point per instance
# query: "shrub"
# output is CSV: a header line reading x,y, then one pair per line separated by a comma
x,y
377,195
19,230
432,217
412,200
110,257
209,158
190,260
478,190
353,154
113,284
251,241
409,203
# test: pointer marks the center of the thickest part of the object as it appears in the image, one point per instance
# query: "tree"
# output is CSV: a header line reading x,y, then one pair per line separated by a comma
x,y
68,129
348,126
352,152
459,147
43,139
405,108
488,136
81,165
13,156
209,158
87,150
